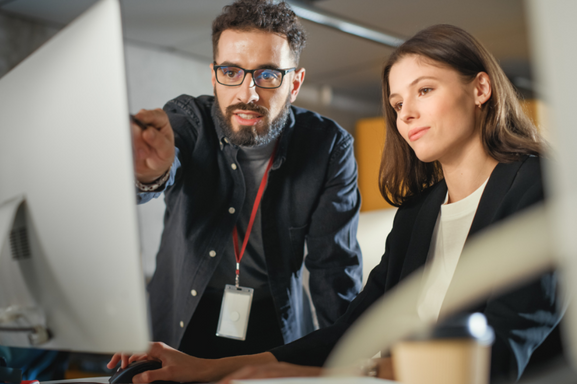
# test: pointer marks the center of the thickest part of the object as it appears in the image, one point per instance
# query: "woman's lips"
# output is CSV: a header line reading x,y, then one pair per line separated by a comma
x,y
416,133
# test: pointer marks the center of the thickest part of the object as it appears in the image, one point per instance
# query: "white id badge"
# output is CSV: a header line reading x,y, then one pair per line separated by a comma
x,y
234,312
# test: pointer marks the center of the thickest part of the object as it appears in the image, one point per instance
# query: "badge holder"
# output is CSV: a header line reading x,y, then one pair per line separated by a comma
x,y
236,302
234,312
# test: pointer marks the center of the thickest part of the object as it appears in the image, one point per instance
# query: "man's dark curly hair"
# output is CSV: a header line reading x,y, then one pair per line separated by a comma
x,y
263,15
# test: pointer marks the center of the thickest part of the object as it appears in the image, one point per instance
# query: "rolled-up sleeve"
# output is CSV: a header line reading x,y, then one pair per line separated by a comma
x,y
144,197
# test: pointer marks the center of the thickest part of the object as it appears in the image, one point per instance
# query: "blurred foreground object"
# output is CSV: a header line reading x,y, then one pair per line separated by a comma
x,y
458,351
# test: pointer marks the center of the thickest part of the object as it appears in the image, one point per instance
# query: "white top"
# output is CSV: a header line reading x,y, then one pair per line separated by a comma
x,y
449,236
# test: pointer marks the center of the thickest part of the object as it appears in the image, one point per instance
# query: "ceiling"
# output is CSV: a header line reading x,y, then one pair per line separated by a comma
x,y
349,65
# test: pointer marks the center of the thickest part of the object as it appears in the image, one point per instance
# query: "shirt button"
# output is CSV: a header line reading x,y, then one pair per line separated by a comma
x,y
233,166
182,324
231,210
212,253
193,292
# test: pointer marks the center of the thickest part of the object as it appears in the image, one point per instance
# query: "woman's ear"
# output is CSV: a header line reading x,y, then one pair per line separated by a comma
x,y
482,88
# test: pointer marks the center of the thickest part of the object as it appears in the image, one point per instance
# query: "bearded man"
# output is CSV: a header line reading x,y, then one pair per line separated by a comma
x,y
249,180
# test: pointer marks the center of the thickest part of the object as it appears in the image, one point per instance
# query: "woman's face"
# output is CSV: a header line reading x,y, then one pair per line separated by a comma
x,y
436,109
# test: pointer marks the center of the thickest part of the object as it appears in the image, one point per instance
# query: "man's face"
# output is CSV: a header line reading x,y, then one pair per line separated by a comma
x,y
251,115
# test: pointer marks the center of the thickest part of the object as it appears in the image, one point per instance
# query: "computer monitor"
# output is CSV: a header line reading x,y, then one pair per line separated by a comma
x,y
67,197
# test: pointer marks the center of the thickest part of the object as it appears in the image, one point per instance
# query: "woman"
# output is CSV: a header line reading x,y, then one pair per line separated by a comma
x,y
460,155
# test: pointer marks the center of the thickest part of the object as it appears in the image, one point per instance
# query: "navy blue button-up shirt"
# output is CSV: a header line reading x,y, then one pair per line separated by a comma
x,y
311,197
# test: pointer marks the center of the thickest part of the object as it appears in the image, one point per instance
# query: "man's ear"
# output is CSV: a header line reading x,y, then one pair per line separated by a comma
x,y
297,83
483,88
212,76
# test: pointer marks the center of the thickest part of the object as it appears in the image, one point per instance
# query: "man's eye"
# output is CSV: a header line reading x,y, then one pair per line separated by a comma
x,y
230,72
268,75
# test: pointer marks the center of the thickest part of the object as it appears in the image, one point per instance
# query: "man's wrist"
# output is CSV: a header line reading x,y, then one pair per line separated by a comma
x,y
154,185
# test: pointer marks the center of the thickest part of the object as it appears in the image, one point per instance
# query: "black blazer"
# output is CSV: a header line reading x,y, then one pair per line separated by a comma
x,y
522,319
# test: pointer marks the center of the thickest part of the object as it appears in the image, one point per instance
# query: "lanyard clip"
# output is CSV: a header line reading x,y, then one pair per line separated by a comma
x,y
236,278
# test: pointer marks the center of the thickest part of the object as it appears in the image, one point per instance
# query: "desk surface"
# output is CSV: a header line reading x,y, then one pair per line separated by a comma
x,y
288,380
319,380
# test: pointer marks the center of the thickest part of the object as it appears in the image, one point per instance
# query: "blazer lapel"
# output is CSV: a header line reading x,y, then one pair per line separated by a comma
x,y
499,183
423,229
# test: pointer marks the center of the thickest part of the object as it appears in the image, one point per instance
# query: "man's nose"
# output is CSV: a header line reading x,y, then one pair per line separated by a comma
x,y
247,92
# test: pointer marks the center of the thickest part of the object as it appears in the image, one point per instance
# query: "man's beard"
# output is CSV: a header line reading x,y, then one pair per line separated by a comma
x,y
259,134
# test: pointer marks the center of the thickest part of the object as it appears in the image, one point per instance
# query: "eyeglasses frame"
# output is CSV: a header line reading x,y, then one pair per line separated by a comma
x,y
251,71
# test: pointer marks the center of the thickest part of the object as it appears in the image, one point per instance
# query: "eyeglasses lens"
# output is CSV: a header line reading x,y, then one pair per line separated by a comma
x,y
265,78
229,75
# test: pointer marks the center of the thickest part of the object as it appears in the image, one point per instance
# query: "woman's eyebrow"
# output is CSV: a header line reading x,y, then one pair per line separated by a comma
x,y
422,78
415,82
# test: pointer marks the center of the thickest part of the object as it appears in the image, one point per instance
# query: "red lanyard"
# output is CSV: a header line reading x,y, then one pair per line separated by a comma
x,y
238,255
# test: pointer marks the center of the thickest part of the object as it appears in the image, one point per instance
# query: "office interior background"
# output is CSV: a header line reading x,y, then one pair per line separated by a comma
x,y
168,52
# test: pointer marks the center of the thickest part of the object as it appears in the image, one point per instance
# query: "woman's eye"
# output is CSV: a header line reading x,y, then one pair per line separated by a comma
x,y
397,107
424,91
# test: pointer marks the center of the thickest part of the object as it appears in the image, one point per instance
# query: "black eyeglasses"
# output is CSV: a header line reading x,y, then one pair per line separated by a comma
x,y
231,75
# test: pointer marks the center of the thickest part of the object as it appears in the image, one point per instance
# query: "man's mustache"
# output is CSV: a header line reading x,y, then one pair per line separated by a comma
x,y
247,107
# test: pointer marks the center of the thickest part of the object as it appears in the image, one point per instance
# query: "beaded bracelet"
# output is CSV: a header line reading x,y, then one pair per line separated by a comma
x,y
149,187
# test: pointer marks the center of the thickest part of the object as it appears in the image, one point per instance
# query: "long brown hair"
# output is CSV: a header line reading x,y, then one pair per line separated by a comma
x,y
507,133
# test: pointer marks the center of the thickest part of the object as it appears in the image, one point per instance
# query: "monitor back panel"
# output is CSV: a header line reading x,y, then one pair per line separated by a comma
x,y
65,145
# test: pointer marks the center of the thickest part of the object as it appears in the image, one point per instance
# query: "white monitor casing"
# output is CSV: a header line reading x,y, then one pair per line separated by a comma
x,y
66,149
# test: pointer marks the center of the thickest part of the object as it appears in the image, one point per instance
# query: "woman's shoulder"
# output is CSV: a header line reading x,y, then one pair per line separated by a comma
x,y
516,185
531,166
526,173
